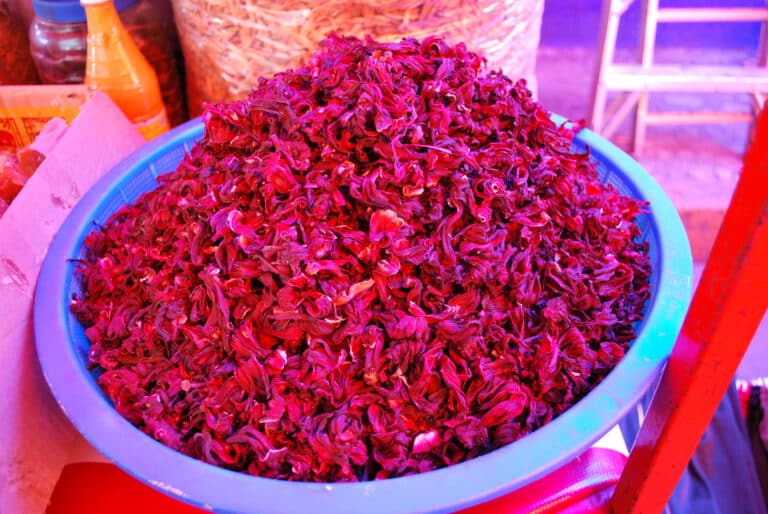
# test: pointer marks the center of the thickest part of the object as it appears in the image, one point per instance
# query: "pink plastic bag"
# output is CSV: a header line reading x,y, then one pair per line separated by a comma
x,y
36,439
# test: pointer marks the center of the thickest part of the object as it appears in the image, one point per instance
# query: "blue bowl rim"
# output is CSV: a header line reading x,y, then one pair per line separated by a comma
x,y
445,490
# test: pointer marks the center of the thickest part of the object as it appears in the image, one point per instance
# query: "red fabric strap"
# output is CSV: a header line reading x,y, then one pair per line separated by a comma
x,y
583,486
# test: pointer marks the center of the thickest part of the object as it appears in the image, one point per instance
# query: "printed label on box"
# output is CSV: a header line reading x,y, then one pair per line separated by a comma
x,y
10,137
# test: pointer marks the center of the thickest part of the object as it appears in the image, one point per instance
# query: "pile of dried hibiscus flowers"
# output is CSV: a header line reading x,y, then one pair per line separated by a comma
x,y
383,263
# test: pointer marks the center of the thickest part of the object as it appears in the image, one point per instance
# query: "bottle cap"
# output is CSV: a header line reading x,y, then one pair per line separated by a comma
x,y
69,11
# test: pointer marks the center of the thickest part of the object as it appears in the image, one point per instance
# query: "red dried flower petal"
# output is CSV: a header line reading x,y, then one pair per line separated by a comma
x,y
382,263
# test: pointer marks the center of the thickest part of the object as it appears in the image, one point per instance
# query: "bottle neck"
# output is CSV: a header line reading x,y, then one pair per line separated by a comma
x,y
102,16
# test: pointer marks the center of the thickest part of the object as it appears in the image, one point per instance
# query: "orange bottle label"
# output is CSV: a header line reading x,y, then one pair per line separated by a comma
x,y
153,127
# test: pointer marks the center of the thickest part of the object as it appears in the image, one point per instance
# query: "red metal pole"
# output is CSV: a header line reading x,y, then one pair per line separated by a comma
x,y
727,307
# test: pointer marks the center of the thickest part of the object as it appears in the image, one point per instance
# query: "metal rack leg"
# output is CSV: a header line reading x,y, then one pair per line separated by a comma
x,y
726,310
648,23
762,49
612,11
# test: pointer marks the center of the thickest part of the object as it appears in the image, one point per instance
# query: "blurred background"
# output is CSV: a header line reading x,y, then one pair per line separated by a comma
x,y
697,165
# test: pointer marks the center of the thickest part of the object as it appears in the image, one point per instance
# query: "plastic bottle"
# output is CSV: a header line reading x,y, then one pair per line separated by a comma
x,y
58,41
116,66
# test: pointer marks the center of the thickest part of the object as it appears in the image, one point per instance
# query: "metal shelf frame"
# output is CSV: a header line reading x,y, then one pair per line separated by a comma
x,y
635,82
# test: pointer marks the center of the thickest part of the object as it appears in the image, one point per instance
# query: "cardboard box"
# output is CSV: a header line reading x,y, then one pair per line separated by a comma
x,y
24,110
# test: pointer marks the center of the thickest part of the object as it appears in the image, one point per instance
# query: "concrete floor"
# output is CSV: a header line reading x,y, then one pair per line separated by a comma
x,y
698,166
707,157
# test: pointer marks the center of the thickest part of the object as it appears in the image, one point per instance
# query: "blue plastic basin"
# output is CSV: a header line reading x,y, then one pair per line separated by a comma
x,y
63,352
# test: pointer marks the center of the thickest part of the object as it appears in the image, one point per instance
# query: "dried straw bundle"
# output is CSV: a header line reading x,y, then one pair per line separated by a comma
x,y
228,43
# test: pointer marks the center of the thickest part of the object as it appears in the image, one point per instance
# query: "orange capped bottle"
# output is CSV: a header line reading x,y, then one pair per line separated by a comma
x,y
116,66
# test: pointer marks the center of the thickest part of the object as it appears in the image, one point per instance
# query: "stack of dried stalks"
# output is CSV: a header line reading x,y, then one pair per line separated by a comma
x,y
228,43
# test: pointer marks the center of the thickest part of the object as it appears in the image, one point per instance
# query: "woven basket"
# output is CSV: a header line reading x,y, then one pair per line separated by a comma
x,y
227,44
